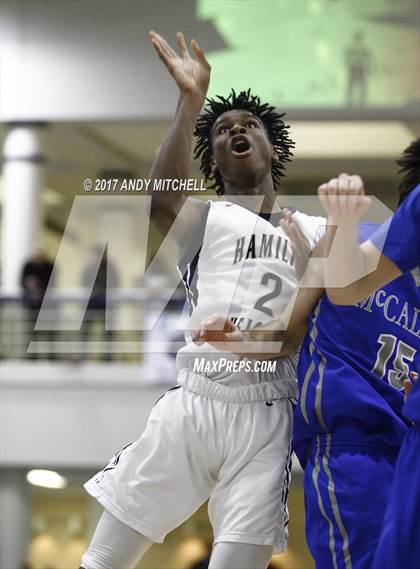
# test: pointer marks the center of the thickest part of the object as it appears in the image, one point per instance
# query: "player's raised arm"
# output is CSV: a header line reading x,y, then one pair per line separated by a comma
x,y
172,161
350,274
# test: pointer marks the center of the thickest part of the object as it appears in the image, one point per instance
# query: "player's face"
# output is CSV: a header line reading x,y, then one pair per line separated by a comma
x,y
242,150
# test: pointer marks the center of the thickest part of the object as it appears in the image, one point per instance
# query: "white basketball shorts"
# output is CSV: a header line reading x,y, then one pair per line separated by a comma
x,y
232,448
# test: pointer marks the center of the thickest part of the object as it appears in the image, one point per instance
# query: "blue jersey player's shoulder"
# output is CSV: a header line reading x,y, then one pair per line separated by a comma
x,y
399,237
366,230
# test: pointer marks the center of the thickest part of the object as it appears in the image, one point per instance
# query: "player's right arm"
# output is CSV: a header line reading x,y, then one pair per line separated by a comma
x,y
354,271
271,341
172,161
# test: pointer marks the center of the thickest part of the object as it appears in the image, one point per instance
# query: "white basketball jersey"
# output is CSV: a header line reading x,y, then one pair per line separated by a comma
x,y
244,268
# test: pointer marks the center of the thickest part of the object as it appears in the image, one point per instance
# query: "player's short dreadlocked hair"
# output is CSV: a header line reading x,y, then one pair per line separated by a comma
x,y
276,129
409,164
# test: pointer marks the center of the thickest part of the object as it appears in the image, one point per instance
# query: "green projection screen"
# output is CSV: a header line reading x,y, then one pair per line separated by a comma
x,y
318,53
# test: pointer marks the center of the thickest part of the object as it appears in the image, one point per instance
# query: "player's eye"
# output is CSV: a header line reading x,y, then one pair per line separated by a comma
x,y
222,130
252,124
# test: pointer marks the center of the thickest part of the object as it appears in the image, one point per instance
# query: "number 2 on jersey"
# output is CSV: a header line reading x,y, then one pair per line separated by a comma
x,y
276,280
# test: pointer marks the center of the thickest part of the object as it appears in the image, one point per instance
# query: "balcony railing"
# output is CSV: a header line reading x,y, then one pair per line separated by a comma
x,y
73,326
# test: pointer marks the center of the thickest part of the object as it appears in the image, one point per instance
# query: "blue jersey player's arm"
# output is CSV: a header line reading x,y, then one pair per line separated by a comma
x,y
352,271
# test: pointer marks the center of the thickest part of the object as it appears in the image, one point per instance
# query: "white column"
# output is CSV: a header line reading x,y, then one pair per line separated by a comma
x,y
23,171
14,518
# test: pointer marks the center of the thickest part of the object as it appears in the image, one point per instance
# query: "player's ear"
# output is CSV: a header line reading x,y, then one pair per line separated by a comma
x,y
274,155
214,167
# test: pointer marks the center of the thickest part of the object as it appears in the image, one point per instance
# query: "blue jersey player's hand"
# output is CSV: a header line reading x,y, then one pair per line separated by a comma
x,y
344,199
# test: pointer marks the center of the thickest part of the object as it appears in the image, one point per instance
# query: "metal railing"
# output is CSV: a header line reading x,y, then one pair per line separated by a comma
x,y
72,326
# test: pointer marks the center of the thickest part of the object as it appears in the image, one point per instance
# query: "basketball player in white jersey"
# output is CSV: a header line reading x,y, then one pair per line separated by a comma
x,y
223,433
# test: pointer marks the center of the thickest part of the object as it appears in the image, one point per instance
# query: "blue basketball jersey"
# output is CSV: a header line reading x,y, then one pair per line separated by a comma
x,y
401,233
353,362
399,236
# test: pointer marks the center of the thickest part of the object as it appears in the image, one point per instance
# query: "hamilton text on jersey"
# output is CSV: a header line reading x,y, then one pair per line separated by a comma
x,y
269,246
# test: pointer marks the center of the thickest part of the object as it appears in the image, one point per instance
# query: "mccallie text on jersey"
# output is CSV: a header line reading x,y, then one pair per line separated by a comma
x,y
394,310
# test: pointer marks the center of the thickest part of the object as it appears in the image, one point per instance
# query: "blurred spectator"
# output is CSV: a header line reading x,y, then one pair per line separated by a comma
x,y
104,278
36,275
358,60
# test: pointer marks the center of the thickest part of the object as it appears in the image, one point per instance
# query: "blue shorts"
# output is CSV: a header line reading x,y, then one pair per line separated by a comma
x,y
347,485
399,545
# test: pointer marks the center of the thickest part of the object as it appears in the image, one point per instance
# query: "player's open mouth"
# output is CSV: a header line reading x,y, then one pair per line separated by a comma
x,y
240,146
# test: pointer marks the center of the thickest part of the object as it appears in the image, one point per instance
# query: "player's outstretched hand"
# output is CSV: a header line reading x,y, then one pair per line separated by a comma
x,y
300,246
192,75
343,198
218,331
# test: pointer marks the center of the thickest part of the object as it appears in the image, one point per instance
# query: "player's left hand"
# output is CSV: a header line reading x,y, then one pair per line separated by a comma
x,y
344,198
218,331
